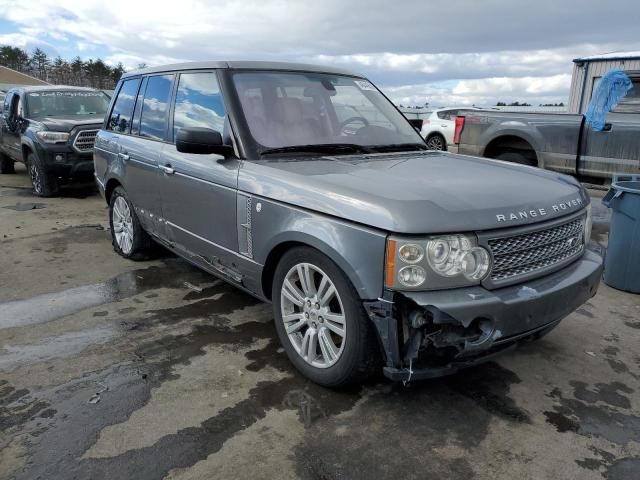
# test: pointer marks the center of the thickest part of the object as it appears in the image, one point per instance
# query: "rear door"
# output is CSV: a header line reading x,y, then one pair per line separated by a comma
x,y
616,149
446,124
199,191
133,159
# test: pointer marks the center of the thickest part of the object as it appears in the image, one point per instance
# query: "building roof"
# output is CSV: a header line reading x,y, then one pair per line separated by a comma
x,y
633,55
12,77
242,65
48,88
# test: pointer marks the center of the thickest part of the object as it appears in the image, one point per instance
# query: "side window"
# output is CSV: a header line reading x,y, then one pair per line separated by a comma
x,y
447,114
137,110
8,100
120,118
198,102
153,122
630,103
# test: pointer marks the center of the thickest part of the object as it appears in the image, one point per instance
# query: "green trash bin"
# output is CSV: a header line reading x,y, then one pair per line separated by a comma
x,y
622,262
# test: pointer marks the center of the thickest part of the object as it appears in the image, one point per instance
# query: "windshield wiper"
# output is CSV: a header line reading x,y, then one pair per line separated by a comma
x,y
399,147
340,148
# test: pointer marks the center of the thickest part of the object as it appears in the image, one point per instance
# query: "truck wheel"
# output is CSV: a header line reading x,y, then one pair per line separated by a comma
x,y
436,142
515,157
127,235
44,183
320,320
6,164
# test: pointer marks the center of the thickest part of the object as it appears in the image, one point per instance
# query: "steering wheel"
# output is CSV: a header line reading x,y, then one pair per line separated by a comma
x,y
349,121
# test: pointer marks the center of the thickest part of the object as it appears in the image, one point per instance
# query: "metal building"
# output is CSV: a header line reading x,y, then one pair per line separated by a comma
x,y
587,72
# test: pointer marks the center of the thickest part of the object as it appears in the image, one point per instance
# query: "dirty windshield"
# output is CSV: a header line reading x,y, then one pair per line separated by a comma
x,y
288,111
66,103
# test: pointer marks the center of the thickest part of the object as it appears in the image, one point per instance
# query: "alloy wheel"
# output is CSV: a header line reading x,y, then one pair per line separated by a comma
x,y
123,225
36,179
435,143
313,315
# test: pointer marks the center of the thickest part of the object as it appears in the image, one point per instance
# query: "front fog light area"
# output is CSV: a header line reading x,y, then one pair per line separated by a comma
x,y
412,276
442,261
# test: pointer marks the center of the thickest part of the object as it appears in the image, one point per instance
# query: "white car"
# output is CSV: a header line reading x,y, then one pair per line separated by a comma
x,y
437,129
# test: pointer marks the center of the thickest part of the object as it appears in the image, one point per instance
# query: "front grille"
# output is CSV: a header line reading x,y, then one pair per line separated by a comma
x,y
521,255
84,140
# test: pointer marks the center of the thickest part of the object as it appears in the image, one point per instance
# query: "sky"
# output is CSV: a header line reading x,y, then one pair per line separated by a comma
x,y
454,52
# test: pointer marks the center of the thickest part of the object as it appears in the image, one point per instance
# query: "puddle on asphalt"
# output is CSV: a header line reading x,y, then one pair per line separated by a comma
x,y
51,306
67,344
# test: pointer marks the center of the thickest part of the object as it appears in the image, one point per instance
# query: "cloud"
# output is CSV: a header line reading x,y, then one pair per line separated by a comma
x,y
408,48
486,91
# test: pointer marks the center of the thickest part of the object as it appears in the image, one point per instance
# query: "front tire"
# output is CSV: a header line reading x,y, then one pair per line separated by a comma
x,y
6,164
127,235
320,320
43,182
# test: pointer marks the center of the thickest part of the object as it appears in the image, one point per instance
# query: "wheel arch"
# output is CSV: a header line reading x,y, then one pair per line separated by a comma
x,y
109,187
27,148
288,240
512,142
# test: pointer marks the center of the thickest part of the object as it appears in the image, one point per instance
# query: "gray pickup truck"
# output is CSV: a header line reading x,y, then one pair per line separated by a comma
x,y
557,141
306,187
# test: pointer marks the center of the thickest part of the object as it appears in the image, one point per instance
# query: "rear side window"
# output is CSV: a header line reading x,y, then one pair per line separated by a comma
x,y
120,118
447,114
153,121
198,102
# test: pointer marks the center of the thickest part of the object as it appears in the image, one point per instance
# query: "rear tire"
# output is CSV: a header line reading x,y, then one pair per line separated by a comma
x,y
44,183
515,157
127,235
436,142
357,356
6,164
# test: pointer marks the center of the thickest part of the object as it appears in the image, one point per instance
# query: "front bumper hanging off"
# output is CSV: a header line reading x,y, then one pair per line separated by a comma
x,y
474,324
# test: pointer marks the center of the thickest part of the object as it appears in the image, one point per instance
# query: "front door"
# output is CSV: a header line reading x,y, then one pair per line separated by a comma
x,y
199,191
11,127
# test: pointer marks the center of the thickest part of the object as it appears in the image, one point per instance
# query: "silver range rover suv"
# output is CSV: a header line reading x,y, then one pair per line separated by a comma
x,y
305,187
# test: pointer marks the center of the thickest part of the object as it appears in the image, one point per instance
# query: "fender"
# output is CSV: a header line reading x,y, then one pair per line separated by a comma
x,y
278,223
27,141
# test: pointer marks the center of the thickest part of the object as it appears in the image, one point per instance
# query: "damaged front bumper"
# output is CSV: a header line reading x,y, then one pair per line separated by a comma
x,y
435,333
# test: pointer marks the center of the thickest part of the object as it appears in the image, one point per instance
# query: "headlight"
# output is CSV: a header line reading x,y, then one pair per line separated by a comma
x,y
588,225
442,261
52,137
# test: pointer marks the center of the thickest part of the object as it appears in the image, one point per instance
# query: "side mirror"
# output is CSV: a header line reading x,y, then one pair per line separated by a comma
x,y
202,141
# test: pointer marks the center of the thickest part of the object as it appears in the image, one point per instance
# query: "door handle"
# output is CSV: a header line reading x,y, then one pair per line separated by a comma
x,y
607,127
168,169
124,156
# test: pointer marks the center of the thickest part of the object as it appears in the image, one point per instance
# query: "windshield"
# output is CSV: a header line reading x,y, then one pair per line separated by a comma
x,y
66,103
285,109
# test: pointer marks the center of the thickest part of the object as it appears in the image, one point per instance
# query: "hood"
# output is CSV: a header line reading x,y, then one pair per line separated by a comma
x,y
417,192
69,122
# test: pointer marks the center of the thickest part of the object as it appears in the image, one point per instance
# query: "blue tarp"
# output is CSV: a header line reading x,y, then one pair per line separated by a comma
x,y
612,87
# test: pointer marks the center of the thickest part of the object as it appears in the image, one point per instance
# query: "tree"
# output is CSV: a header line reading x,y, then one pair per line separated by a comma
x,y
14,57
90,73
39,63
117,72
